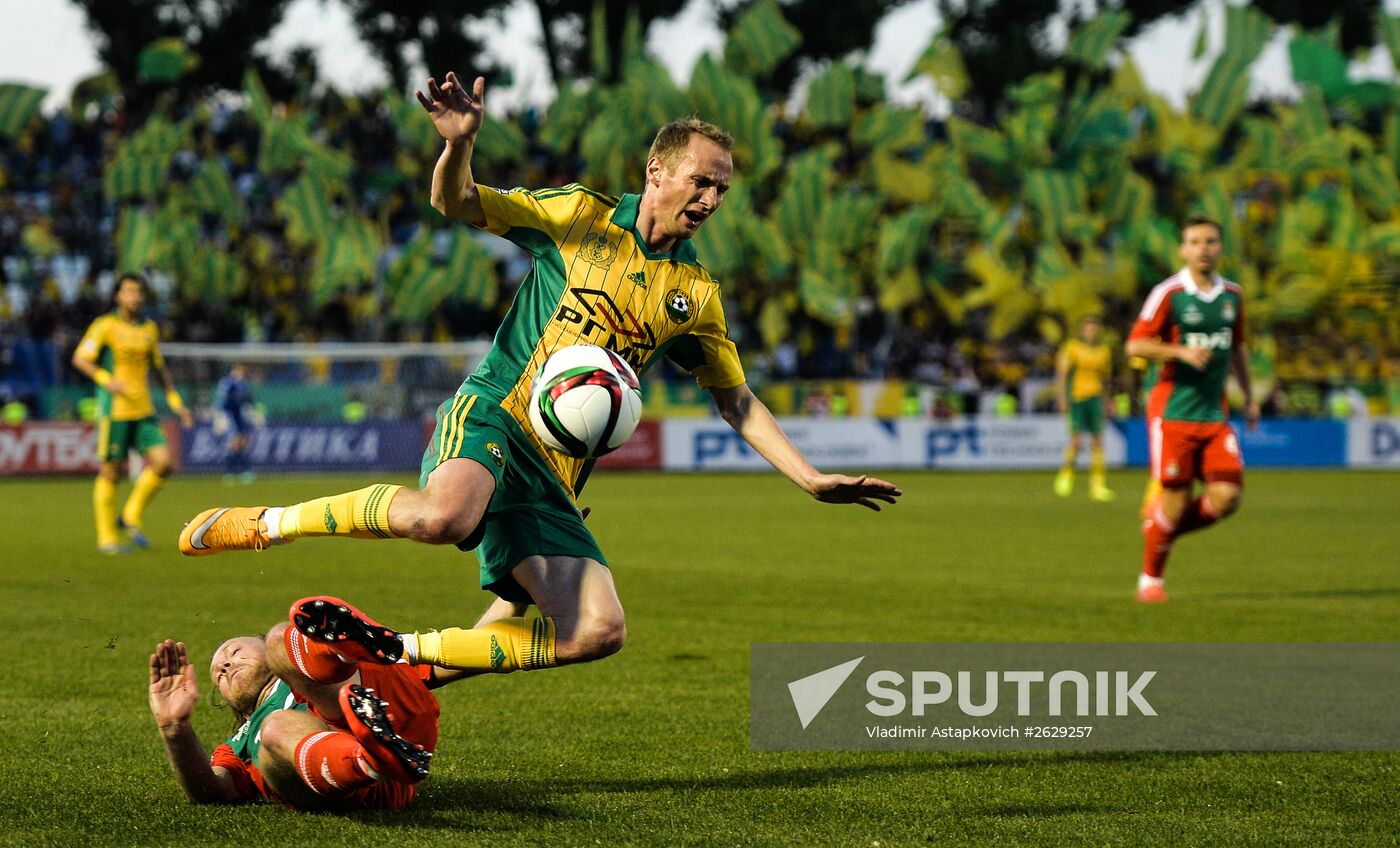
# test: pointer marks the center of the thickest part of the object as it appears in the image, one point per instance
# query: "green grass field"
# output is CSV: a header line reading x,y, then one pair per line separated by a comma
x,y
650,747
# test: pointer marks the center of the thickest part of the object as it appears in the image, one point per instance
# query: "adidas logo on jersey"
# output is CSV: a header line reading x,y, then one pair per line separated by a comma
x,y
638,277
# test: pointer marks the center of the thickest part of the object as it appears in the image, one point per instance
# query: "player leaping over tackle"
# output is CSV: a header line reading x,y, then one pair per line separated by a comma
x,y
615,271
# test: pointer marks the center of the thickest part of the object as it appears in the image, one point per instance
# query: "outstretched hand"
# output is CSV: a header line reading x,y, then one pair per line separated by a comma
x,y
174,690
864,490
456,113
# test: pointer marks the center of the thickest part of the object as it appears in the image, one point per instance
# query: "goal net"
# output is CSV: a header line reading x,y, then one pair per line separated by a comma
x,y
321,407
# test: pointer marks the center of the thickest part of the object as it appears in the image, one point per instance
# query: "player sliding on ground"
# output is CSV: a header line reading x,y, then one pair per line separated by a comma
x,y
619,272
321,729
1192,323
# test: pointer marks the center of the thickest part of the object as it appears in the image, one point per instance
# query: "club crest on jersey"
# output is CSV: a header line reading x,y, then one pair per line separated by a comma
x,y
597,250
497,455
678,306
1227,311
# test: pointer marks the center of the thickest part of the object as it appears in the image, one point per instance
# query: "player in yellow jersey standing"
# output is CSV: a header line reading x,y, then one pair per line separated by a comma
x,y
620,272
119,352
1082,379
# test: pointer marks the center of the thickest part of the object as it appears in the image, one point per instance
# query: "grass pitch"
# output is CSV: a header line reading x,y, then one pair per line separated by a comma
x,y
650,747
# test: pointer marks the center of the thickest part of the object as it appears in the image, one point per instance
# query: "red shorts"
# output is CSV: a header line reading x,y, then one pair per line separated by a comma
x,y
1183,451
414,713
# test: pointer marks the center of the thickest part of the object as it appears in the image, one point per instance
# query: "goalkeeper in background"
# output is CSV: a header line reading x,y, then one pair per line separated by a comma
x,y
118,353
235,416
1082,379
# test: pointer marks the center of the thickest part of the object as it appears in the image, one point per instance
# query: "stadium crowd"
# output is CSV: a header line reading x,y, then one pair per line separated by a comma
x,y
67,219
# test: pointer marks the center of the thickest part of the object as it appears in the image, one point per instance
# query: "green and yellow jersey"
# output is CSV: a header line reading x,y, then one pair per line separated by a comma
x,y
595,282
128,350
1179,312
1088,368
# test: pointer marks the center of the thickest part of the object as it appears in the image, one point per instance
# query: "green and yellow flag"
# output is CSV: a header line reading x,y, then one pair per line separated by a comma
x,y
213,275
943,63
18,106
890,129
165,60
973,141
346,257
1092,42
831,97
136,240
259,103
1223,94
305,207
1056,196
211,190
436,266
760,39
136,176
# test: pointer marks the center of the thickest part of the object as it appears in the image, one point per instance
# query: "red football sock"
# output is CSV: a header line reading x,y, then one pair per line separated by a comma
x,y
317,661
1200,513
332,762
1157,535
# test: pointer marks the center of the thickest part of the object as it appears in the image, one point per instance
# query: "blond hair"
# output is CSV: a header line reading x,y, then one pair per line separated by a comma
x,y
673,140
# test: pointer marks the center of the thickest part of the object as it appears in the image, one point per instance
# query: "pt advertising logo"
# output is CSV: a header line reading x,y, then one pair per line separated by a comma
x,y
1100,696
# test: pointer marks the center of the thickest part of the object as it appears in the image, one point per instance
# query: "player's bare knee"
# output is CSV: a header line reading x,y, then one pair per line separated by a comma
x,y
277,731
443,525
1226,499
595,638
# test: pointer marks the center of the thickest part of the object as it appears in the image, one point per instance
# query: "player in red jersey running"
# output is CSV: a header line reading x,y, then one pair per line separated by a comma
x,y
1192,323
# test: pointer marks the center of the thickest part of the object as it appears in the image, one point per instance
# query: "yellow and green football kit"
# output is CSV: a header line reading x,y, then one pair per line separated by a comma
x,y
124,351
127,350
593,282
1088,368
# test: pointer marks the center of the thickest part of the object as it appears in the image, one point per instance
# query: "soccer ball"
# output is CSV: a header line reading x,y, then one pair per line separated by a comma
x,y
586,401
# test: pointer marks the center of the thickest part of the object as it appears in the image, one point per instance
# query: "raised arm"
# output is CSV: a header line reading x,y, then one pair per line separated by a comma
x,y
457,115
750,418
173,694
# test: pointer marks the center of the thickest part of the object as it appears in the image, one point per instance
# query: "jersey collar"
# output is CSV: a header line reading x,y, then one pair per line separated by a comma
x,y
625,216
1217,285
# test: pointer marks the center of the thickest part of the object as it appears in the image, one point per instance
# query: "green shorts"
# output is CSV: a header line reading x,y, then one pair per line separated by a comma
x,y
116,439
1086,416
530,514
